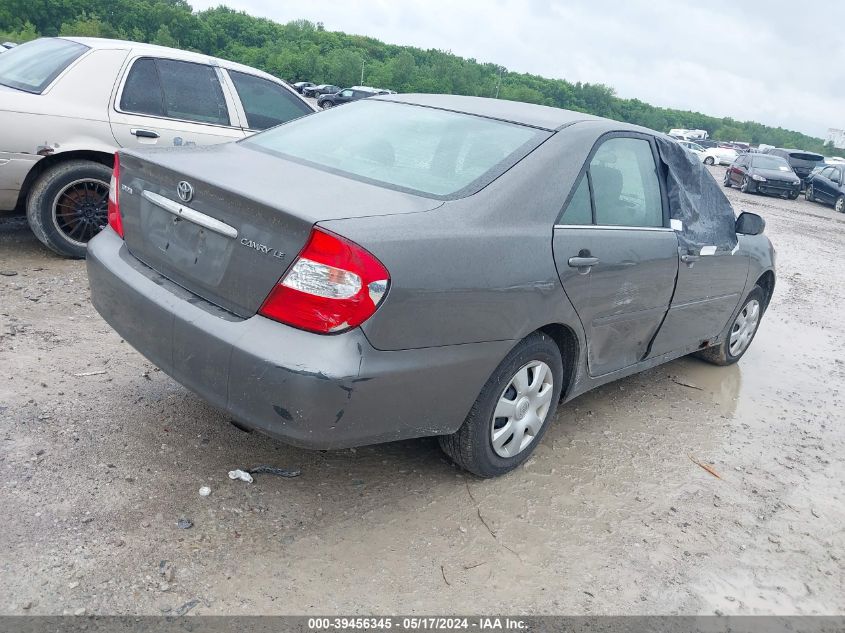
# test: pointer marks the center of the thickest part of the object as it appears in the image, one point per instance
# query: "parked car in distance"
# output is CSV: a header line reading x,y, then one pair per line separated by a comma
x,y
802,162
763,173
707,143
299,86
336,325
827,186
322,89
695,148
345,96
719,155
58,140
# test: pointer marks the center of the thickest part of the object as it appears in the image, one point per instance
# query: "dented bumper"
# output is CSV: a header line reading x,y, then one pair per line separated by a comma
x,y
307,389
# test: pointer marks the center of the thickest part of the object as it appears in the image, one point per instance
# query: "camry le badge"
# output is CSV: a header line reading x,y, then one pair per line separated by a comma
x,y
262,248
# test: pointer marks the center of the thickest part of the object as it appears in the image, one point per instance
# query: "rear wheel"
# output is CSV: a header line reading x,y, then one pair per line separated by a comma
x,y
741,333
512,411
840,204
68,205
808,194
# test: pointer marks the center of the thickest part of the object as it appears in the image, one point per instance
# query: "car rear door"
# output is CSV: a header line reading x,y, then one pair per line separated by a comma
x,y
263,103
167,102
615,255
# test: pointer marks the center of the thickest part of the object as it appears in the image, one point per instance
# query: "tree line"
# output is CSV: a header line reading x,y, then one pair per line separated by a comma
x,y
303,50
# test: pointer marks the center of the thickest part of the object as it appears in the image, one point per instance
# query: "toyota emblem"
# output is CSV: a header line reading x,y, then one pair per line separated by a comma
x,y
185,191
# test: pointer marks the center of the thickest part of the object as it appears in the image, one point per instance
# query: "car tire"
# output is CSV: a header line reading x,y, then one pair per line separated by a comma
x,y
68,205
745,187
325,105
744,328
727,180
534,360
808,194
793,195
709,161
840,204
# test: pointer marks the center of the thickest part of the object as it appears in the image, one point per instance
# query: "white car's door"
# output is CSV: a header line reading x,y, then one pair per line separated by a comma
x,y
167,102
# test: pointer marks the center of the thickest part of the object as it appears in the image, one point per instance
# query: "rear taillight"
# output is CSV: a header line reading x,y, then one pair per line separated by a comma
x,y
333,285
115,221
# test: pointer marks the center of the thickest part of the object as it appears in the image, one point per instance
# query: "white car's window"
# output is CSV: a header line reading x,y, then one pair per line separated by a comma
x,y
175,89
626,190
266,104
33,66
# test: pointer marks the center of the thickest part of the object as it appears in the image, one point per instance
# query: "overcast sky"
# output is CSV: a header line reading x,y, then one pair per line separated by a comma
x,y
779,62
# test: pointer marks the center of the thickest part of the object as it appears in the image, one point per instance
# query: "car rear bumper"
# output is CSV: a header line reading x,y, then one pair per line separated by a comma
x,y
310,390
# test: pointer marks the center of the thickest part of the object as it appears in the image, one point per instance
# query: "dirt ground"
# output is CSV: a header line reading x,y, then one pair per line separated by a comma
x,y
101,455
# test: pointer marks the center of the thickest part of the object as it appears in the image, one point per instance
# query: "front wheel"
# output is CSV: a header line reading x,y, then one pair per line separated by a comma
x,y
808,194
727,181
512,411
68,205
745,187
709,161
741,332
326,105
840,204
793,195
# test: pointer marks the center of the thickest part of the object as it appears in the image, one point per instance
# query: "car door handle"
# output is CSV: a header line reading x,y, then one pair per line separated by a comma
x,y
583,262
689,259
143,133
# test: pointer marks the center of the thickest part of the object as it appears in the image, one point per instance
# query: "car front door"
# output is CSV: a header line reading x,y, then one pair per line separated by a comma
x,y
344,96
738,170
167,102
616,257
823,186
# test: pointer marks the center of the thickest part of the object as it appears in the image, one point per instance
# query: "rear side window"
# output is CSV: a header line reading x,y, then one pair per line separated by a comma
x,y
33,66
626,190
266,104
579,210
175,89
142,92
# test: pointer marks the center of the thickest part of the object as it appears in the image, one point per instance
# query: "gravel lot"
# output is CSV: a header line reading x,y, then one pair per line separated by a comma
x,y
102,454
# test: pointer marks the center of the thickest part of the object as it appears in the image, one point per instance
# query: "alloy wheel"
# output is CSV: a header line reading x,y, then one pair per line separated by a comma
x,y
522,409
744,327
80,209
840,204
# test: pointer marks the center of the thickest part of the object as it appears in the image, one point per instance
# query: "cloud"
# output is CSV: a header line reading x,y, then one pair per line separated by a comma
x,y
771,62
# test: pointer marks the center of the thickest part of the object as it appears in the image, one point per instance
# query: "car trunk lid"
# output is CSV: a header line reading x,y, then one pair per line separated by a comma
x,y
243,223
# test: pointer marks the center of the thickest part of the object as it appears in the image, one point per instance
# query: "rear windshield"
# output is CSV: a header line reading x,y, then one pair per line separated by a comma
x,y
31,67
803,157
770,162
422,150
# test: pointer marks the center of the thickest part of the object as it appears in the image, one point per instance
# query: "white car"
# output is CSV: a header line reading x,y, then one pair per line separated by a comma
x,y
719,156
66,105
695,148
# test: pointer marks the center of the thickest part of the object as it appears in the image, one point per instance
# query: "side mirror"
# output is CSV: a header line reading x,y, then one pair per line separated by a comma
x,y
750,224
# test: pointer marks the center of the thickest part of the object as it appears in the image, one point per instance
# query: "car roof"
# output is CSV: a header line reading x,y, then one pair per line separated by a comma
x,y
539,116
140,48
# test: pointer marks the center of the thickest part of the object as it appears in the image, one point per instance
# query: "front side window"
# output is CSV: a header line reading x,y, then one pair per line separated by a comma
x,y
827,172
626,190
266,103
424,150
33,66
175,89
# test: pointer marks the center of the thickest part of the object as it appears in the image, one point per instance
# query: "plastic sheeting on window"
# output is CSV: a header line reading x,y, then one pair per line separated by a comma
x,y
696,199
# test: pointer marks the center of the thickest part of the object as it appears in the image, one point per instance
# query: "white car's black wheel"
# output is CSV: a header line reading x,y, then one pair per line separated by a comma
x,y
512,412
68,205
709,161
741,333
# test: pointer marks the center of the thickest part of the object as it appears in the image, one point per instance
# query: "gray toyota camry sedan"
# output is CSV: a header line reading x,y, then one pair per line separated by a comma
x,y
471,263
